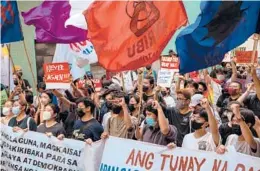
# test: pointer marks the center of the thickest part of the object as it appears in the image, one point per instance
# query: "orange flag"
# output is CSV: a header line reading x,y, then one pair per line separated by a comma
x,y
130,34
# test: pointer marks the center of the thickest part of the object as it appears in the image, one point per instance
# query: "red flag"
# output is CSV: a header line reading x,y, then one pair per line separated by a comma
x,y
130,34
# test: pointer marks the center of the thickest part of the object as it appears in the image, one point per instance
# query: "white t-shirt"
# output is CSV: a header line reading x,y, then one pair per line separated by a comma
x,y
205,142
169,100
105,119
243,146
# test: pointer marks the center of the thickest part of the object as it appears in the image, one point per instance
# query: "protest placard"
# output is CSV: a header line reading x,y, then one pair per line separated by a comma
x,y
57,75
170,62
165,78
34,151
136,155
244,57
97,84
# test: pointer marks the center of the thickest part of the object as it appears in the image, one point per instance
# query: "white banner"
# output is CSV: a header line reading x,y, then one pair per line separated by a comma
x,y
165,78
140,156
36,152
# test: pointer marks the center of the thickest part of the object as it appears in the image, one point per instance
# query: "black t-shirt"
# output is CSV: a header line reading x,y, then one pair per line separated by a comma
x,y
253,103
56,129
224,131
180,121
89,129
27,122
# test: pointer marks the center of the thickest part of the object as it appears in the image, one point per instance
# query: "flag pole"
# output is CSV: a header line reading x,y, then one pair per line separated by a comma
x,y
140,87
123,81
30,66
255,49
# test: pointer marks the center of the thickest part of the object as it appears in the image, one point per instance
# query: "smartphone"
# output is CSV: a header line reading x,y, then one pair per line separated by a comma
x,y
258,72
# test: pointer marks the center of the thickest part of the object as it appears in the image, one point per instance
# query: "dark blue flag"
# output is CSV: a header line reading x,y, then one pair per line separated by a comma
x,y
221,26
10,22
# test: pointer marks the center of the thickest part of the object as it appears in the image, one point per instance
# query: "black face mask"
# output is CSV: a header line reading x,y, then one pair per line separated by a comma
x,y
196,125
163,93
109,105
16,82
145,88
116,109
131,107
236,129
80,112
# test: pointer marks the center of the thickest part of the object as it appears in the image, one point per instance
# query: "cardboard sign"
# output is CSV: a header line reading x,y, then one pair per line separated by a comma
x,y
165,78
57,75
170,62
81,83
244,57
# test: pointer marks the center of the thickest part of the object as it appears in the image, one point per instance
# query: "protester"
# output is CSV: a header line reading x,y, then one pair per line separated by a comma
x,y
166,94
242,138
201,139
157,129
21,121
45,99
121,123
7,112
18,80
86,127
179,116
135,107
50,126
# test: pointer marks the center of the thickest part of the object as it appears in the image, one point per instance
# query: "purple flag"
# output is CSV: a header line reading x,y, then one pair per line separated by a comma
x,y
49,19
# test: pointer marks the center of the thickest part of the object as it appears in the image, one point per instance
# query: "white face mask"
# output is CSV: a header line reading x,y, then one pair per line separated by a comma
x,y
16,110
46,115
6,111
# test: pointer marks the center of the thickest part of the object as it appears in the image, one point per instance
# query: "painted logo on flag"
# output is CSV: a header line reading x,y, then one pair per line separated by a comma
x,y
7,13
81,49
143,14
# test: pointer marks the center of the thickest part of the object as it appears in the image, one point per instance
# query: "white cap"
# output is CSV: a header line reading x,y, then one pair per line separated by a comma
x,y
195,100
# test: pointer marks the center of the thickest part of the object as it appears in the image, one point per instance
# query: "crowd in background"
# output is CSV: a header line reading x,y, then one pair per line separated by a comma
x,y
219,109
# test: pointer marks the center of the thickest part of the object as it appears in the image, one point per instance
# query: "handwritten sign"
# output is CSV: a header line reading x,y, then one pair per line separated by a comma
x,y
57,75
170,62
136,155
244,57
165,78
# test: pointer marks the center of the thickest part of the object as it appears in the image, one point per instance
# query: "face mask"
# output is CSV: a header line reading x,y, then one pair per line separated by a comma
x,y
221,77
46,115
180,105
150,122
116,109
109,105
232,91
163,93
131,107
236,129
6,111
16,110
145,88
196,125
16,82
80,112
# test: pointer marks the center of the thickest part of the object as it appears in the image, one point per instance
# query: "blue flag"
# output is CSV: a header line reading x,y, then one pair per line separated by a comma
x,y
10,22
221,26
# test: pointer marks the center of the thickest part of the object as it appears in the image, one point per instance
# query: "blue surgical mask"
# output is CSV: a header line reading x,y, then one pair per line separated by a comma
x,y
16,110
150,121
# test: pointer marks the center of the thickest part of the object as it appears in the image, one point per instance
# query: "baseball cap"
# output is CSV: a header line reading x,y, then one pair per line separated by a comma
x,y
195,100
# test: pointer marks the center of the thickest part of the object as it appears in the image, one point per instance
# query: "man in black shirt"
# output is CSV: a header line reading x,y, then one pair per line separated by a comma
x,y
87,127
179,116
